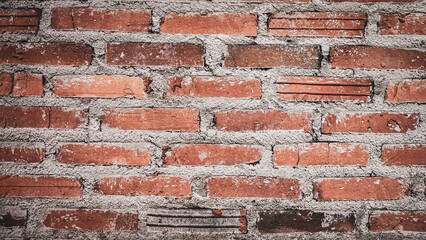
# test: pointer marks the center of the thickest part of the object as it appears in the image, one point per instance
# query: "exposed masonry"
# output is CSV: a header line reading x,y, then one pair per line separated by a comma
x,y
350,214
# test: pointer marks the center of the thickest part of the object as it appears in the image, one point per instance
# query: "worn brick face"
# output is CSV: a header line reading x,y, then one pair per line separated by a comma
x,y
410,24
104,154
160,119
105,86
377,57
406,91
369,122
20,152
211,154
154,185
253,187
262,121
373,188
20,20
210,23
337,24
407,221
91,220
155,54
266,56
74,54
97,19
404,154
40,186
203,86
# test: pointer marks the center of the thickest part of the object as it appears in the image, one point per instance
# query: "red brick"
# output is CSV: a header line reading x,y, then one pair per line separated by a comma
x,y
24,117
305,221
42,117
155,54
265,56
385,122
376,57
210,23
262,120
407,221
104,153
306,154
92,220
6,83
406,91
19,20
67,118
40,186
361,188
166,186
211,154
410,24
203,86
155,119
26,84
253,187
404,154
21,152
45,54
324,89
106,86
336,24
81,18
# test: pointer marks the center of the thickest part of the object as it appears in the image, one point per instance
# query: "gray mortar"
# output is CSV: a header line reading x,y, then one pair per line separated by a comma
x,y
215,50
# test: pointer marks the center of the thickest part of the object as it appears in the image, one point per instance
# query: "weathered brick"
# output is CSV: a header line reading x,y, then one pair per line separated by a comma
x,y
20,20
385,122
156,119
26,84
104,153
42,117
211,154
45,54
6,83
410,24
40,186
341,154
305,221
404,154
12,216
106,86
265,56
204,86
361,188
262,120
210,23
374,1
21,152
333,24
324,89
92,220
155,54
253,187
154,185
406,91
81,18
376,57
407,221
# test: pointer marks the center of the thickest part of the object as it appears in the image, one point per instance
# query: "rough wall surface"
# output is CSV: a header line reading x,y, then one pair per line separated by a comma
x,y
222,119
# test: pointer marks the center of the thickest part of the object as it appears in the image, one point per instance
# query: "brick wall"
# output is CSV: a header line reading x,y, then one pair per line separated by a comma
x,y
213,119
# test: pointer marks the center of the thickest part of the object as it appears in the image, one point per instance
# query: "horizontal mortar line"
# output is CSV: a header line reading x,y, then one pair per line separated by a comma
x,y
169,216
328,29
334,94
191,226
319,84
